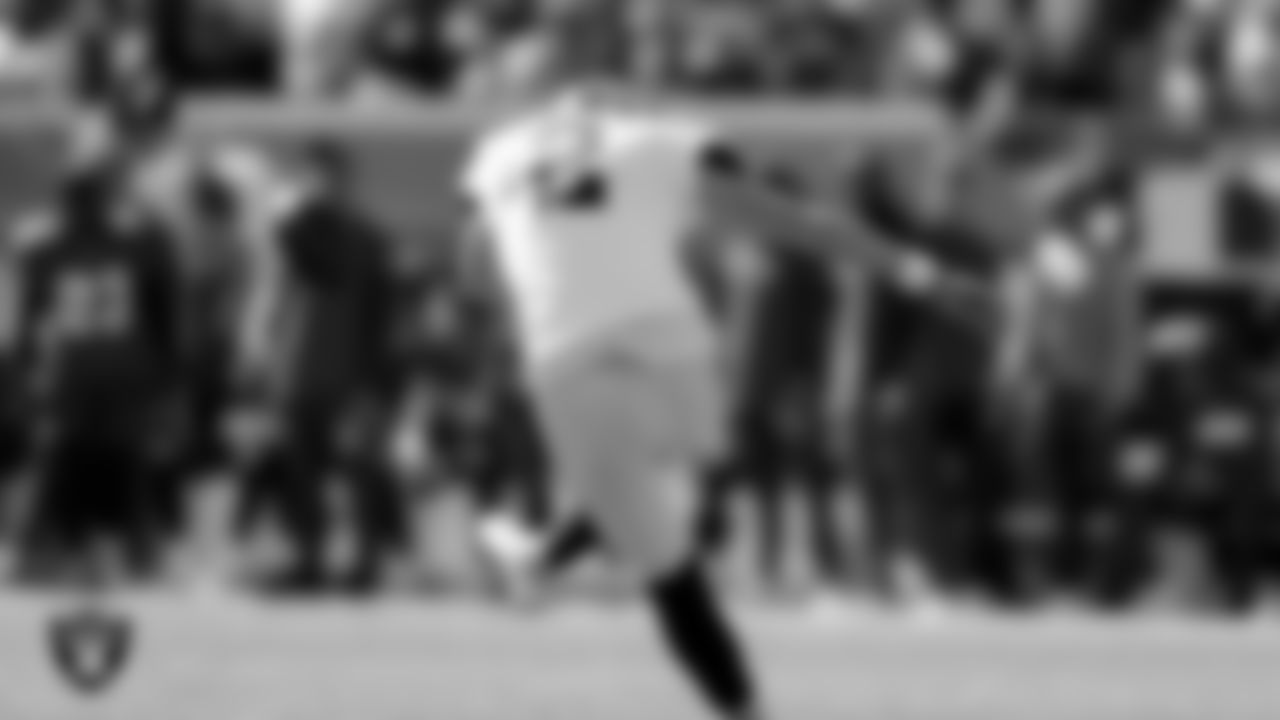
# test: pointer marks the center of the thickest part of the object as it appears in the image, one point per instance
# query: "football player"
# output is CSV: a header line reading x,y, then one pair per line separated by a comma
x,y
585,203
100,354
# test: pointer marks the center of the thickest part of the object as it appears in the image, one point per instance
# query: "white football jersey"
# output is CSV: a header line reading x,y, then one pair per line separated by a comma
x,y
588,209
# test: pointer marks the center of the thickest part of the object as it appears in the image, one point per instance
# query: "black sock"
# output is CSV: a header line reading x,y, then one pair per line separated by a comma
x,y
568,544
712,527
698,633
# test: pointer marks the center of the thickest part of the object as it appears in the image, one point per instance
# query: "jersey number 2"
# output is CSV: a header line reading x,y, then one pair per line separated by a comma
x,y
92,305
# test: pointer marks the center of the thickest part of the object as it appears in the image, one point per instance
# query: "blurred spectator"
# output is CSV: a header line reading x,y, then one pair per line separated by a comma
x,y
332,385
117,48
1250,59
1190,60
420,45
34,52
220,45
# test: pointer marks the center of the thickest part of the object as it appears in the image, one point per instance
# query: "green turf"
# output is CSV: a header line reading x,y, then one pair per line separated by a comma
x,y
403,661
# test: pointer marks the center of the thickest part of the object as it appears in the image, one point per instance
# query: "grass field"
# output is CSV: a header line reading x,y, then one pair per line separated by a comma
x,y
406,662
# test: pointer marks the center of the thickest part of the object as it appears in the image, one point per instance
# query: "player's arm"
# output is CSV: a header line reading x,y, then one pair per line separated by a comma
x,y
261,200
270,203
775,205
27,293
265,292
29,245
771,203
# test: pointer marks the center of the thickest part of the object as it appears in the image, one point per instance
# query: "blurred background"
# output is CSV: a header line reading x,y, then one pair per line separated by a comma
x,y
1112,448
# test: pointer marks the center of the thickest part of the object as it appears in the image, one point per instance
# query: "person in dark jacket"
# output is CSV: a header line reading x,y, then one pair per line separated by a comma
x,y
936,478
331,380
98,351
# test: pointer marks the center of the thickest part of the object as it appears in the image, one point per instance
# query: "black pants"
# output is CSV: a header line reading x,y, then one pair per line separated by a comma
x,y
207,402
294,482
1094,543
1236,508
192,454
937,482
94,489
13,456
779,445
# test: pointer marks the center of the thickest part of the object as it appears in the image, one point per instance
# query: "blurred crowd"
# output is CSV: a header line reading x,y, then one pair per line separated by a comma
x,y
1111,441
1108,440
1182,55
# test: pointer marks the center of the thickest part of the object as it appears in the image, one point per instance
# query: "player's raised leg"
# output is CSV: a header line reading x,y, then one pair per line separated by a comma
x,y
583,213
629,434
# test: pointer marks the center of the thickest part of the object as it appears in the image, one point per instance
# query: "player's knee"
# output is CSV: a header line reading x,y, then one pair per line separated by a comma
x,y
654,557
649,523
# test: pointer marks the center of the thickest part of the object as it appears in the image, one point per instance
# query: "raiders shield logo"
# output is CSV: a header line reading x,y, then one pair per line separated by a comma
x,y
90,649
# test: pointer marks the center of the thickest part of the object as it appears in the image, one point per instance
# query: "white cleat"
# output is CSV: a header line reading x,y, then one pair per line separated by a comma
x,y
513,549
829,607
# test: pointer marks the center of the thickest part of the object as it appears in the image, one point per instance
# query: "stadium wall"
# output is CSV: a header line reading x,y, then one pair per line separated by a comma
x,y
410,154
